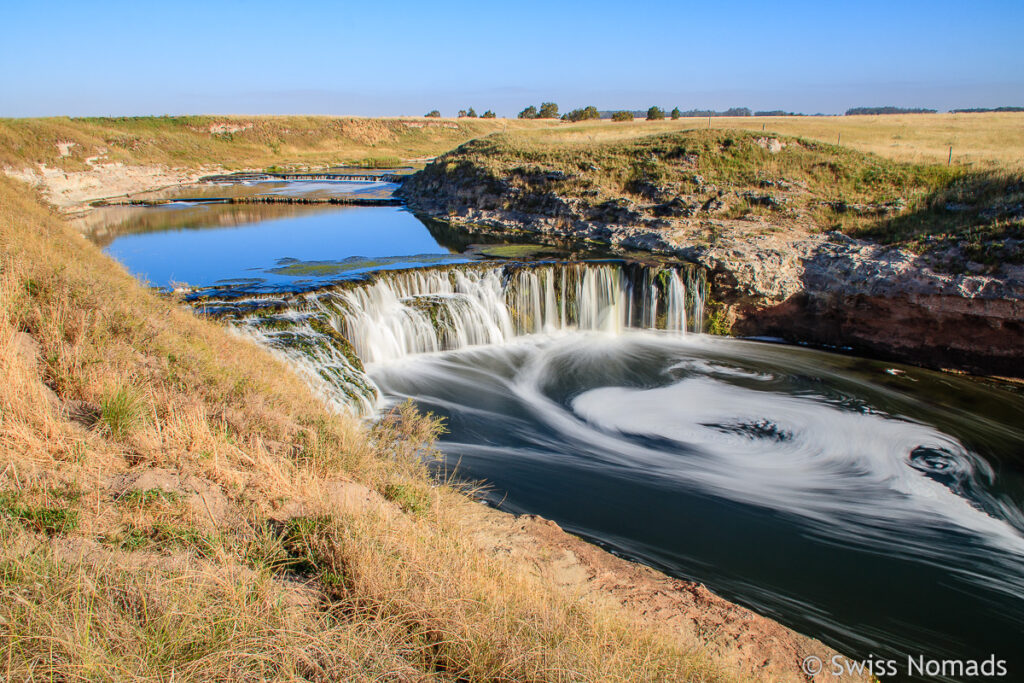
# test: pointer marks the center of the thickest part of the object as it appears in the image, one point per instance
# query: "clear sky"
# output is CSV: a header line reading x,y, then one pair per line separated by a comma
x,y
391,58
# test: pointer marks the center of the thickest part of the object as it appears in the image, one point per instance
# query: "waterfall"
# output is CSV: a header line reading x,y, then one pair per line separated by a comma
x,y
423,311
330,333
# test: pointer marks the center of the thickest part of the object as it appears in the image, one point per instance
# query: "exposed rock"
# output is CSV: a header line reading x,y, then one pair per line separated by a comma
x,y
68,190
773,145
787,281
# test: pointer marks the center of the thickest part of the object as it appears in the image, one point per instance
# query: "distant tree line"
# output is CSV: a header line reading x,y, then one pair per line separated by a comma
x,y
463,114
549,110
676,113
861,111
985,111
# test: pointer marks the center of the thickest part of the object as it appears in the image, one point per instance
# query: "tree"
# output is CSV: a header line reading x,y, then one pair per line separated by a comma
x,y
622,116
676,114
489,115
462,113
433,114
471,113
548,110
528,113
582,114
655,114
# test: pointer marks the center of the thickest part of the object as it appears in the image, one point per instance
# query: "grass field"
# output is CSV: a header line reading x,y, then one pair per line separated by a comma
x,y
979,141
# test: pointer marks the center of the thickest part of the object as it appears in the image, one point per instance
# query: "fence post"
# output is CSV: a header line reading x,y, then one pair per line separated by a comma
x,y
949,161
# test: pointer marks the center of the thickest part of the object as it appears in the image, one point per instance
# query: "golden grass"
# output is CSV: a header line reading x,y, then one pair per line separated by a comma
x,y
235,141
982,141
157,587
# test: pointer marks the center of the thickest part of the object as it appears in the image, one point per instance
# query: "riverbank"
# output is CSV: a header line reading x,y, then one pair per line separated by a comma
x,y
177,502
803,241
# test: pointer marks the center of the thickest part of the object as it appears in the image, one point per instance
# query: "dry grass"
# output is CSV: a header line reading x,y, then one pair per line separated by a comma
x,y
233,141
103,378
980,141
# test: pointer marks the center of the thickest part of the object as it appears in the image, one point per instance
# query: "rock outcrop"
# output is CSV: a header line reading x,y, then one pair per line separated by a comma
x,y
772,273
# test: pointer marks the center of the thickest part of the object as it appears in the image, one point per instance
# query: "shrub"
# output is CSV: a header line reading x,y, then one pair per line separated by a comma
x,y
489,115
548,110
462,114
622,116
471,113
528,113
433,114
676,114
655,114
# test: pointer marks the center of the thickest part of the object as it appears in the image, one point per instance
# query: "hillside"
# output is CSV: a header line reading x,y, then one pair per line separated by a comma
x,y
742,181
805,240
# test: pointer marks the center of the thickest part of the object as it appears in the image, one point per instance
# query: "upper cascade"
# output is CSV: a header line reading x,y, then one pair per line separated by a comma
x,y
424,311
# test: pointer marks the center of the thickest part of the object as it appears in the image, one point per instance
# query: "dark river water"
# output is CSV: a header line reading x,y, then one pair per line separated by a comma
x,y
874,506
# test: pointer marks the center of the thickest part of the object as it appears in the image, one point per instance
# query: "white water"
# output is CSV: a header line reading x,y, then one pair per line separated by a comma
x,y
426,311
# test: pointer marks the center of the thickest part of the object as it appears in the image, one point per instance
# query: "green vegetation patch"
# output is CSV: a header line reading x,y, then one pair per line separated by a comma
x,y
296,268
411,498
515,251
164,536
123,410
147,497
44,519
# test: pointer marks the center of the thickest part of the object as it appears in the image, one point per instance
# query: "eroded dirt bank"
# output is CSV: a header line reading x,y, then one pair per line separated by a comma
x,y
944,289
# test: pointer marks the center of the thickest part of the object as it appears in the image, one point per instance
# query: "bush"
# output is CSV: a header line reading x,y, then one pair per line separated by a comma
x,y
676,114
462,113
584,114
433,114
655,114
528,113
622,116
489,115
548,110
471,113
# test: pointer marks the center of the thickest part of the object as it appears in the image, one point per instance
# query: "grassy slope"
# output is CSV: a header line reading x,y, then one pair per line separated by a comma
x,y
820,179
234,141
98,586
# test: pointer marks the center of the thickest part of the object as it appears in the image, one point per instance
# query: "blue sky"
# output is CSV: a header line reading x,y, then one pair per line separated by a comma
x,y
392,58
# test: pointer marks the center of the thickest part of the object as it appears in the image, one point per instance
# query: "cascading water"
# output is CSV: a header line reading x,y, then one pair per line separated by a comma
x,y
426,311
